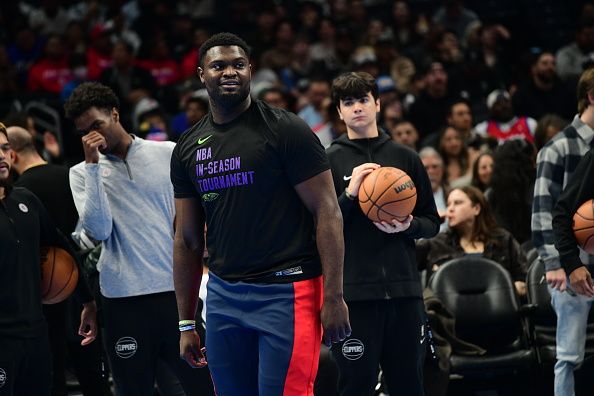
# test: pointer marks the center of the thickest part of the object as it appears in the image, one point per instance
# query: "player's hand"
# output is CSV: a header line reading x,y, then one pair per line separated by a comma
x,y
358,175
92,143
557,279
395,226
581,282
189,349
88,323
335,320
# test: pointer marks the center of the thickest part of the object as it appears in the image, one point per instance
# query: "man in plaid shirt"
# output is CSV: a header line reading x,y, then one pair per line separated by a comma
x,y
556,163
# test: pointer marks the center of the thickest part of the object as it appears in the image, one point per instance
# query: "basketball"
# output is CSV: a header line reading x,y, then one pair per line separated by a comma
x,y
387,193
583,226
59,275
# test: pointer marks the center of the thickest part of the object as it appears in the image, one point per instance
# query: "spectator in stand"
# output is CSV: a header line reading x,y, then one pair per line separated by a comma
x,y
460,117
51,72
99,53
8,75
323,51
24,51
434,166
390,113
473,231
275,97
453,16
195,108
570,58
120,31
502,124
161,65
434,99
80,74
482,169
318,91
264,32
543,93
405,133
455,155
129,82
190,61
404,29
49,19
75,39
489,64
512,187
279,56
547,127
300,64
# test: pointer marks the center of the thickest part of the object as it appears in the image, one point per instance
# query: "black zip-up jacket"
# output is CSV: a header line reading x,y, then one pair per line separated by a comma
x,y
379,265
25,226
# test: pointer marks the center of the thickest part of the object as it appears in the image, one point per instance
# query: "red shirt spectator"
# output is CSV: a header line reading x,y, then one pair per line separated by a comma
x,y
97,62
164,69
99,54
52,71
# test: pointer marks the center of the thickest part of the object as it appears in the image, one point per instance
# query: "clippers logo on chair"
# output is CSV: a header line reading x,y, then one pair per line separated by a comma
x,y
353,349
126,347
2,377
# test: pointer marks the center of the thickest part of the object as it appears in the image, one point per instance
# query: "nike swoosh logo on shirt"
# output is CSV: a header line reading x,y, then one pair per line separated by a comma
x,y
345,178
202,140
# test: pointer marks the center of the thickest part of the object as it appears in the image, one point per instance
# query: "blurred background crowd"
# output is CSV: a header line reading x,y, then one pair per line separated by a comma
x,y
477,66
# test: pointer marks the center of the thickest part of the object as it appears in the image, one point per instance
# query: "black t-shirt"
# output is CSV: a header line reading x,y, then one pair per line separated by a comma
x,y
50,183
244,173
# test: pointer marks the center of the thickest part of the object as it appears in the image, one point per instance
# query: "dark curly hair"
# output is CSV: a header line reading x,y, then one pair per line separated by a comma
x,y
223,40
87,95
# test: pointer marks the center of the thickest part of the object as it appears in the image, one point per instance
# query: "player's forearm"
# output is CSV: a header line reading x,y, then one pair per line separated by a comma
x,y
187,275
91,203
330,242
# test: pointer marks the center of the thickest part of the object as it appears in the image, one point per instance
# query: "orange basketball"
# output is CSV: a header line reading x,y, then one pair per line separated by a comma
x,y
387,193
59,275
583,226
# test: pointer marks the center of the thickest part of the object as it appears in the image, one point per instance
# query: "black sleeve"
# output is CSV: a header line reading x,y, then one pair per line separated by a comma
x,y
425,223
51,236
517,260
182,185
579,189
422,249
302,153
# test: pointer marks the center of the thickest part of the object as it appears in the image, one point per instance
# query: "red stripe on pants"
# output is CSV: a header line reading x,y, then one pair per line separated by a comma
x,y
308,337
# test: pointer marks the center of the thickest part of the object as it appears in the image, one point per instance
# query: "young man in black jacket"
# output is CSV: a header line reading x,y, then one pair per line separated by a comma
x,y
381,281
579,189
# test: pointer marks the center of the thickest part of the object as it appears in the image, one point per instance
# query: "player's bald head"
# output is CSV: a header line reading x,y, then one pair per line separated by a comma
x,y
20,139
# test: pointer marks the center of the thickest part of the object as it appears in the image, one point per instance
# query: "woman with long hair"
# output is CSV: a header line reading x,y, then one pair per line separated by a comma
x,y
482,169
455,156
512,187
473,231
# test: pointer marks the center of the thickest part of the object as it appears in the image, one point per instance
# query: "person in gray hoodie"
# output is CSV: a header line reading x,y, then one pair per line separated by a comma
x,y
124,199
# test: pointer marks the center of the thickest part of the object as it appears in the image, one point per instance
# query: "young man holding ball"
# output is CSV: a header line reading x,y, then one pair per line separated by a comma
x,y
381,282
